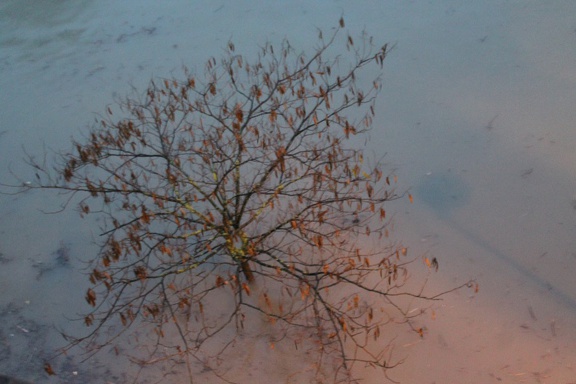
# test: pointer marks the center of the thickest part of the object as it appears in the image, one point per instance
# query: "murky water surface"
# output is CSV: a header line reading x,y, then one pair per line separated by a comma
x,y
477,117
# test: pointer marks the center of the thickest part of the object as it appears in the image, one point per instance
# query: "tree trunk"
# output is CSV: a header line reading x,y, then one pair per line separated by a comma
x,y
247,270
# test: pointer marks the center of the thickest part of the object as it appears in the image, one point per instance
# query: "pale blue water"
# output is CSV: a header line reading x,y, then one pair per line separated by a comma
x,y
476,116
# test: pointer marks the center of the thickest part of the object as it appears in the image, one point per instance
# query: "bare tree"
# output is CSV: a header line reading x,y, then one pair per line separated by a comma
x,y
244,185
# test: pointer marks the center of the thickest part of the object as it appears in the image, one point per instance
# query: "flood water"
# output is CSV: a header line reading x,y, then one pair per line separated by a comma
x,y
476,117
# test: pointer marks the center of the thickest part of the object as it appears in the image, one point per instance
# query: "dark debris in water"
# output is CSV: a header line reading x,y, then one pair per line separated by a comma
x,y
59,258
62,255
26,346
4,259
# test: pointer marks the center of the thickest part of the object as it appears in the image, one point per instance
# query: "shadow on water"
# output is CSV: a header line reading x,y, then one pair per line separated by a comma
x,y
11,380
447,191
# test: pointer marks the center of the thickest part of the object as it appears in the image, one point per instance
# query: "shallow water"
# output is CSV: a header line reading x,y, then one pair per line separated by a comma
x,y
476,117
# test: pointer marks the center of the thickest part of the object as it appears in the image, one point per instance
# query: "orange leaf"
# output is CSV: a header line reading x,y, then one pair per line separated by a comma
x,y
239,115
48,369
267,301
246,288
304,291
145,217
319,241
91,297
343,324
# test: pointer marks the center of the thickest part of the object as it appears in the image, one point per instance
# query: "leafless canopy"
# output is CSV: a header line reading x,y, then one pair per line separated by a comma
x,y
242,186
